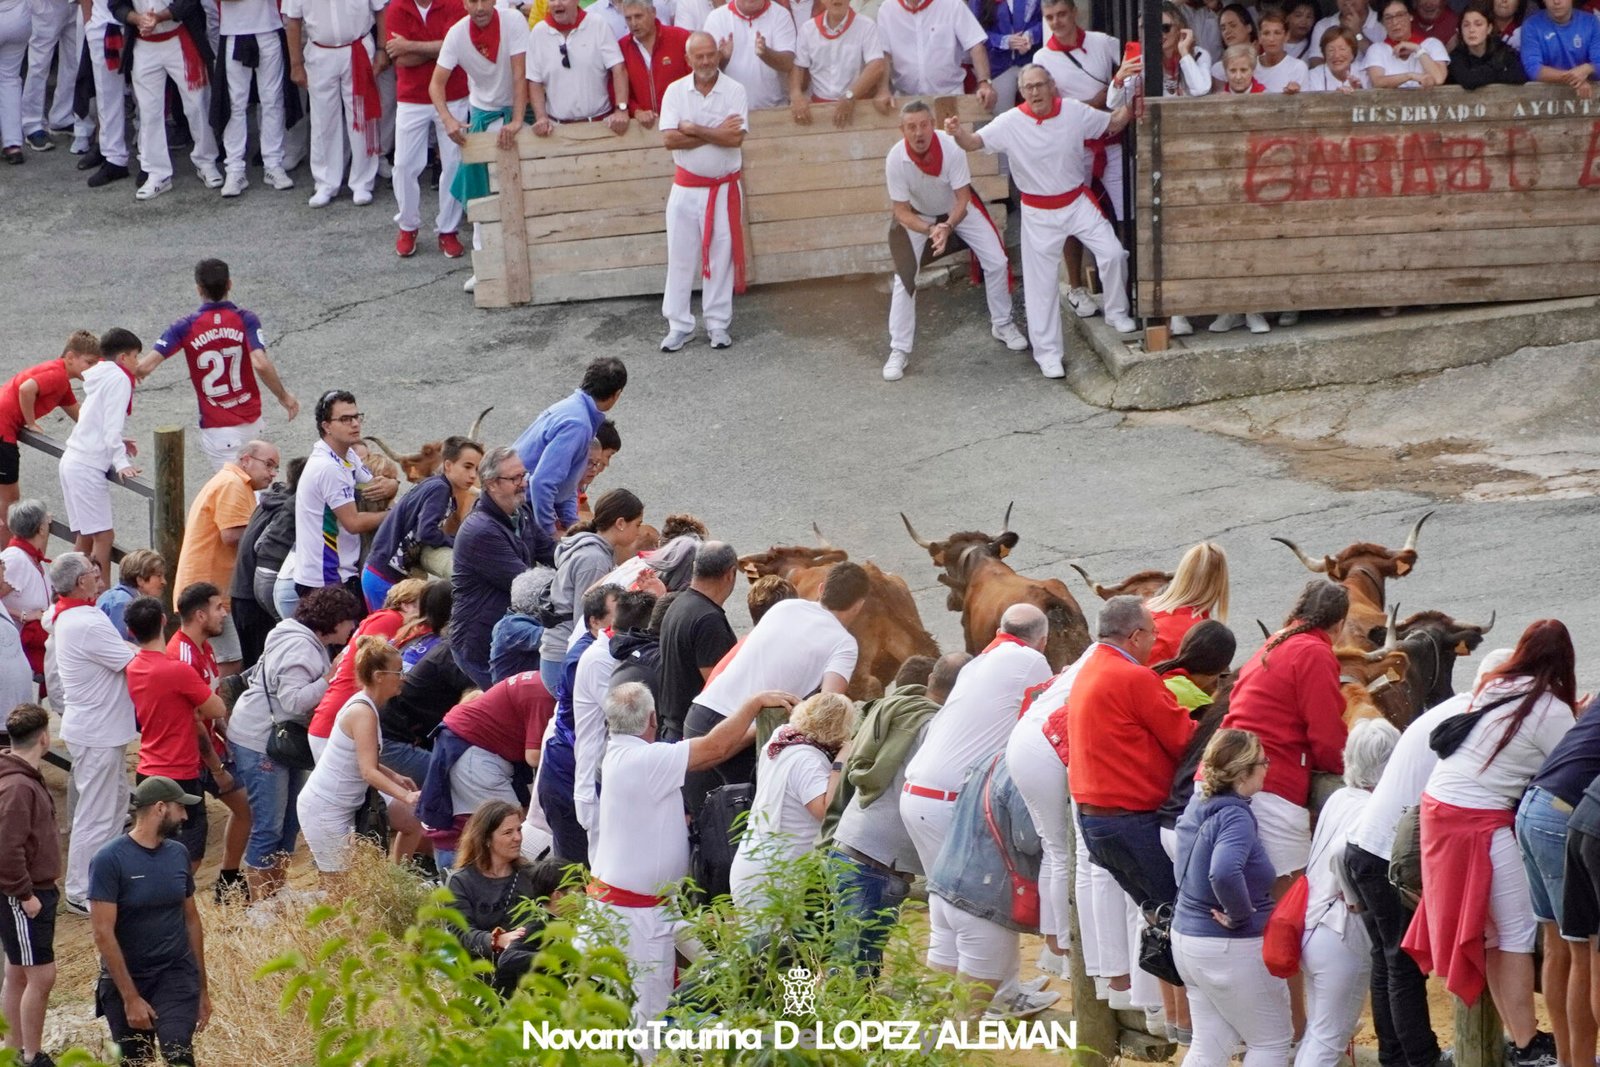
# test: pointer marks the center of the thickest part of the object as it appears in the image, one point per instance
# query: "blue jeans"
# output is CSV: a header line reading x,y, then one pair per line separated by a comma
x,y
408,759
272,790
871,899
1542,835
1129,846
374,588
445,860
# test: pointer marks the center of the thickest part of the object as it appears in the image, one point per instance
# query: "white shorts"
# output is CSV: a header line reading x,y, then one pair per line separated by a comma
x,y
225,646
976,948
1512,924
221,444
1285,831
327,832
87,494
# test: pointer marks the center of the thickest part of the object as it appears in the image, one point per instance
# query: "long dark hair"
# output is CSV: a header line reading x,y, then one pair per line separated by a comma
x,y
616,505
1322,604
1545,657
985,10
1207,648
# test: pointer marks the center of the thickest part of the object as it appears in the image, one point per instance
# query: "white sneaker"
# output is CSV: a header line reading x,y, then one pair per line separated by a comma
x,y
1082,302
385,168
152,188
1180,326
895,368
470,285
1225,323
676,339
720,339
278,178
1034,985
209,174
1102,991
1053,370
1257,322
321,198
361,197
1155,1021
1008,335
1119,999
236,184
1020,1006
1052,963
80,146
1288,318
1122,324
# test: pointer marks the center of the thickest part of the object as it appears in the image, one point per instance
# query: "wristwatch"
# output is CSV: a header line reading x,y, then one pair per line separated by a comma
x,y
849,94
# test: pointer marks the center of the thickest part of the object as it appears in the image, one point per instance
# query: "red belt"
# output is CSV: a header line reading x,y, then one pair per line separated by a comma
x,y
364,92
1097,149
1052,203
931,794
690,180
194,68
622,898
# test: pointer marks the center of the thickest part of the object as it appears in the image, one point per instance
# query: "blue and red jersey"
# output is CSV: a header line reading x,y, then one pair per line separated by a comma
x,y
216,342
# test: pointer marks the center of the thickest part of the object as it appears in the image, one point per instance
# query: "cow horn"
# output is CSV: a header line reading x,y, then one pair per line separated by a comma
x,y
1411,539
477,423
1391,632
1090,582
820,539
1488,625
912,531
1264,631
1005,524
386,450
1310,564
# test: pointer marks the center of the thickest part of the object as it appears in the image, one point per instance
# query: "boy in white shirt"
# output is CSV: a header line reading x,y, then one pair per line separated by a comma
x,y
97,446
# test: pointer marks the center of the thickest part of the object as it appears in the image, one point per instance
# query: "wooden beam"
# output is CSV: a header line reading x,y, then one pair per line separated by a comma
x,y
167,521
514,248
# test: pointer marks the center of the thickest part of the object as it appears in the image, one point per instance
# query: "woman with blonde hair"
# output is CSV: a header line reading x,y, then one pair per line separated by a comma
x,y
400,607
1198,591
795,781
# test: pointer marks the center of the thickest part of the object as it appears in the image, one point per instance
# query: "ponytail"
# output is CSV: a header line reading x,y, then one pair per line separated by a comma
x,y
1322,604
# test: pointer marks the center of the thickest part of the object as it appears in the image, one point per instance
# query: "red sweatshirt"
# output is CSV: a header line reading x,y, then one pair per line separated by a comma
x,y
1126,734
1294,705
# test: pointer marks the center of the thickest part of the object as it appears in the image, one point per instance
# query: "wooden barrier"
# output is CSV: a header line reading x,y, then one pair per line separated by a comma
x,y
1371,199
591,205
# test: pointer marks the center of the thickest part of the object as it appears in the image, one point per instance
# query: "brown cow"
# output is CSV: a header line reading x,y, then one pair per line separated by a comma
x,y
982,587
426,461
1143,585
1363,569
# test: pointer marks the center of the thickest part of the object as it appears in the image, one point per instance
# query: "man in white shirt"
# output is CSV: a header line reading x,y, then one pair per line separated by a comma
x,y
165,44
703,121
97,722
926,42
327,524
96,446
590,683
930,189
575,70
1044,138
839,52
253,30
644,844
332,57
756,41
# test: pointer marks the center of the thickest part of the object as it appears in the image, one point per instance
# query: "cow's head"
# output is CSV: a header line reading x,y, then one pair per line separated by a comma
x,y
1143,585
1364,566
1375,683
1434,641
960,552
784,560
419,465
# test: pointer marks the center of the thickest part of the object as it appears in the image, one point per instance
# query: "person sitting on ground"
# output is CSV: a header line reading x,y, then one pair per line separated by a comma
x,y
1278,70
492,886
514,641
143,573
1338,72
418,636
399,607
584,557
1483,58
1405,59
1198,591
420,522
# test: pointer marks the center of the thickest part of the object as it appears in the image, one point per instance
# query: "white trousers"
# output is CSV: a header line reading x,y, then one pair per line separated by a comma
x,y
16,26
975,947
1044,233
1233,998
387,92
56,25
332,90
1041,777
108,101
1102,917
1144,988
221,444
686,216
1112,178
411,125
981,238
100,774
649,939
153,63
1336,974
928,824
267,77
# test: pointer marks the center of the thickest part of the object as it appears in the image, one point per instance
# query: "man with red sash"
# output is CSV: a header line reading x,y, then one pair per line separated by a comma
x,y
575,71
841,54
703,121
416,32
169,41
643,850
1044,138
332,57
654,55
930,186
756,38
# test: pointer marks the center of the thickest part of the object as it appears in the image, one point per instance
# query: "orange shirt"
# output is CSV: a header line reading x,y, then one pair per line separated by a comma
x,y
1126,734
224,502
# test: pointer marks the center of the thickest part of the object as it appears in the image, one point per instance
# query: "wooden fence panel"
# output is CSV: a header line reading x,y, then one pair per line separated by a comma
x,y
580,215
1395,197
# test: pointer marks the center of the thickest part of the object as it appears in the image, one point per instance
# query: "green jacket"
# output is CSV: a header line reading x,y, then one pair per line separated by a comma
x,y
883,742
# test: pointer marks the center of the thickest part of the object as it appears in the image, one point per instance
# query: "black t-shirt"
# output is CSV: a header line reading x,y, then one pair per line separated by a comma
x,y
694,634
1575,761
148,886
431,688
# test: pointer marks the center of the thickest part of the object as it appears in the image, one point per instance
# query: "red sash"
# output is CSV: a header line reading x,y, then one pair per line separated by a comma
x,y
1097,150
622,898
1052,203
690,180
486,40
364,89
194,68
1415,38
974,268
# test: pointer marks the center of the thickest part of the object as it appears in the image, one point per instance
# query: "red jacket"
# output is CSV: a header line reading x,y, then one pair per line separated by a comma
x,y
404,20
1126,734
1294,705
647,81
1170,628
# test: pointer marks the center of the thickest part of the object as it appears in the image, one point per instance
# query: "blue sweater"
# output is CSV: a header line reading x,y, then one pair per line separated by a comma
x,y
555,450
1545,43
1010,16
1221,864
421,512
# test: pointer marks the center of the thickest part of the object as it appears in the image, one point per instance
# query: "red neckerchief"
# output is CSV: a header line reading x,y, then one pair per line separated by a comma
x,y
917,8
487,40
550,20
1054,44
1415,38
822,26
932,162
1004,639
787,736
1055,109
68,602
28,550
133,381
733,9
1255,87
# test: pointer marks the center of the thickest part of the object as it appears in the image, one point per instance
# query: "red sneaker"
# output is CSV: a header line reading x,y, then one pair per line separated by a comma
x,y
405,244
450,245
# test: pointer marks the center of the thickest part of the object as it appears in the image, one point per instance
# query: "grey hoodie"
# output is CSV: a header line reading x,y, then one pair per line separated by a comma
x,y
292,666
582,559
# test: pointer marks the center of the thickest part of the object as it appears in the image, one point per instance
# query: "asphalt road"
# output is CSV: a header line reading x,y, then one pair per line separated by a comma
x,y
792,425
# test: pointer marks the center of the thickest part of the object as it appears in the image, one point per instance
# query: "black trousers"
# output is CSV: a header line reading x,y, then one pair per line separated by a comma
x,y
174,995
253,625
1399,988
736,769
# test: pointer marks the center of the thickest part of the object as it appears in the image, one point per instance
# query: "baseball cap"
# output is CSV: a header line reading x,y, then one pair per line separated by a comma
x,y
156,789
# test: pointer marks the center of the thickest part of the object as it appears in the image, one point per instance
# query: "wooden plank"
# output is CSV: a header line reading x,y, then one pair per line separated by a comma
x,y
490,294
513,238
489,261
1485,140
1186,116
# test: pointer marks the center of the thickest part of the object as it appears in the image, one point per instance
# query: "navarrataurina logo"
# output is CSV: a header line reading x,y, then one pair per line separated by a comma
x,y
799,992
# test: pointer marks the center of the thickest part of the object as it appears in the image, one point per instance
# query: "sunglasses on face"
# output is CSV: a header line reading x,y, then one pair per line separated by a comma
x,y
1167,27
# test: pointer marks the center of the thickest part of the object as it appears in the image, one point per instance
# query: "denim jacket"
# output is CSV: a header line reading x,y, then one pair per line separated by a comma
x,y
970,872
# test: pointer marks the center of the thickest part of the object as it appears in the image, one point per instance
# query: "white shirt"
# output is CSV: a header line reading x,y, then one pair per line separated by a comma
x,y
835,63
334,23
977,719
91,657
1207,30
1321,80
16,676
590,682
1462,779
1371,30
691,14
1047,157
928,195
489,85
583,90
1381,56
1045,704
1278,78
149,7
611,12
96,438
682,102
1099,56
644,843
241,17
763,86
29,590
1400,786
326,484
791,648
926,48
1326,904
780,827
336,779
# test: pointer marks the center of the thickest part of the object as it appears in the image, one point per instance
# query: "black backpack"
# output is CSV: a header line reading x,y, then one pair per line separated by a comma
x,y
718,828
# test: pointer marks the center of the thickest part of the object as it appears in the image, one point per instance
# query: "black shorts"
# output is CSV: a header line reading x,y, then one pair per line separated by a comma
x,y
1580,895
10,462
174,994
30,942
192,834
208,782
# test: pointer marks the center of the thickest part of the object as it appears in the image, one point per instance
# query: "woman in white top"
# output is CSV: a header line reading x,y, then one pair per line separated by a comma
x,y
1277,70
1403,59
1302,18
1339,73
349,764
1238,26
1336,957
1185,66
795,781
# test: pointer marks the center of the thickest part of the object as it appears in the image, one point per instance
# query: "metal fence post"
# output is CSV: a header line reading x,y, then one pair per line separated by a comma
x,y
166,517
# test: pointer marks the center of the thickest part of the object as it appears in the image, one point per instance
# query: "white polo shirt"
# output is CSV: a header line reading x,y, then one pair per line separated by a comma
x,y
1381,55
976,721
1372,30
929,195
327,483
1084,72
489,86
90,658
791,648
690,14
763,86
836,59
644,842
333,23
1289,70
682,102
583,90
241,17
1046,156
926,46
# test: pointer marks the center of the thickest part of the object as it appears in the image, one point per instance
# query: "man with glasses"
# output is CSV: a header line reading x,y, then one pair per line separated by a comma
x,y
327,524
575,71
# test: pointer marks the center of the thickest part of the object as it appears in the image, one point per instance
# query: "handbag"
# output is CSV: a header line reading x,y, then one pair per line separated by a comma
x,y
1453,732
1285,934
1155,947
288,743
372,819
1024,890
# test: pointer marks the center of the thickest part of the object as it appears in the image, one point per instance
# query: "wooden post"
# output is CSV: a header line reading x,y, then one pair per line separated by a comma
x,y
167,512
1479,1040
1098,1030
513,227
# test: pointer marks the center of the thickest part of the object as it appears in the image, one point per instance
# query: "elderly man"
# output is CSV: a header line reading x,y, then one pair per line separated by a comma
x,y
332,57
655,56
211,534
327,524
756,41
925,43
695,634
930,189
497,541
554,448
28,599
839,53
97,722
1044,137
643,851
703,122
575,70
